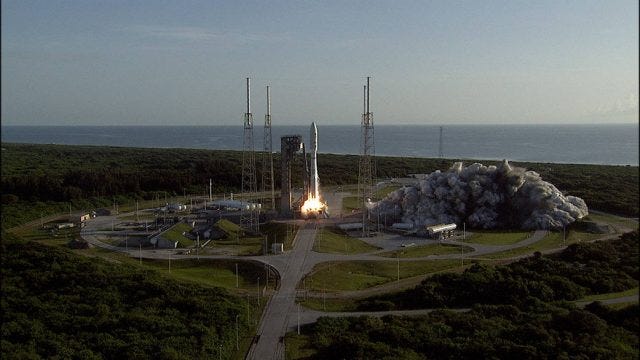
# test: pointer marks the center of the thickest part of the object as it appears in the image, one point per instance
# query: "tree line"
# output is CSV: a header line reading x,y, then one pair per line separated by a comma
x,y
75,174
56,304
581,269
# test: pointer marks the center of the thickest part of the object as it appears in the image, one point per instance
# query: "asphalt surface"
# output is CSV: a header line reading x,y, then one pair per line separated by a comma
x,y
281,306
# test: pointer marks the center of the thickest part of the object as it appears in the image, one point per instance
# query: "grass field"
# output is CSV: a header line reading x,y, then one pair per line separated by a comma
x,y
175,234
350,203
383,192
243,246
426,250
331,240
298,346
553,240
206,272
358,275
331,305
280,233
616,221
608,296
497,237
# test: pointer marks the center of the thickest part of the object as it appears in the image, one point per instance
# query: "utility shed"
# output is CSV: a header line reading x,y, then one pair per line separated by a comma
x,y
441,231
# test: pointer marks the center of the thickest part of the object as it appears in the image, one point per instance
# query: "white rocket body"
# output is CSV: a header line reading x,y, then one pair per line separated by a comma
x,y
314,190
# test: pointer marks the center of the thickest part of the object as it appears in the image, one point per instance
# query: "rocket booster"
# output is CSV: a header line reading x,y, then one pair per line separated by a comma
x,y
314,191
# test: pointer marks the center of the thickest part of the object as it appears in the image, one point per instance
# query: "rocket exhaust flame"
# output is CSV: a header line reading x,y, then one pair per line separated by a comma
x,y
313,205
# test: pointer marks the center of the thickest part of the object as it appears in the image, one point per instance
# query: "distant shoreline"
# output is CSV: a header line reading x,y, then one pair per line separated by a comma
x,y
389,157
562,144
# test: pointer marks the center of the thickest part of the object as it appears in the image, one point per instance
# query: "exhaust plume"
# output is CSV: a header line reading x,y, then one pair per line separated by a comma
x,y
486,197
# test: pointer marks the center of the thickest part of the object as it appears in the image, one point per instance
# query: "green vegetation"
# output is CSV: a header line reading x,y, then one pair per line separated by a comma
x,y
426,250
56,304
582,269
350,203
298,346
278,232
553,240
358,275
330,304
383,192
244,246
335,241
520,310
204,272
608,296
497,237
175,234
486,332
616,221
228,227
40,180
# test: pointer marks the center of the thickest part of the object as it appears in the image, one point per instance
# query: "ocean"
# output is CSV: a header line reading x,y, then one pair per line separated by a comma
x,y
576,144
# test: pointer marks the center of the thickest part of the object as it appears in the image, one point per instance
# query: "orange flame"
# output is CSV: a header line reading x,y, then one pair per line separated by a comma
x,y
312,206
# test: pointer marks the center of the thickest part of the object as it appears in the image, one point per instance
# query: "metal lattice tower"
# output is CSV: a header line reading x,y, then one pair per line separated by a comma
x,y
248,217
367,153
440,154
267,159
289,146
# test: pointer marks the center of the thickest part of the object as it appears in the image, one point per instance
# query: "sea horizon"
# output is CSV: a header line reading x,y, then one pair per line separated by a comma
x,y
600,144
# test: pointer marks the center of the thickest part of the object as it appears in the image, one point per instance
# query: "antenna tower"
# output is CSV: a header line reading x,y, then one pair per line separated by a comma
x,y
440,154
248,218
267,160
367,152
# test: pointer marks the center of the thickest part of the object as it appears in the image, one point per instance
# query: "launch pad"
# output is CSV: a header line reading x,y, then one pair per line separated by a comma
x,y
310,203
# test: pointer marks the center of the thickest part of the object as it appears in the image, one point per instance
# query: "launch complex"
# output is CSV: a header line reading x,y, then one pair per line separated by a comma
x,y
311,203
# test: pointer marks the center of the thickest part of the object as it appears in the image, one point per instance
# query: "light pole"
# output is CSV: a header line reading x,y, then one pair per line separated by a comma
x,y
237,333
248,310
236,275
298,318
398,258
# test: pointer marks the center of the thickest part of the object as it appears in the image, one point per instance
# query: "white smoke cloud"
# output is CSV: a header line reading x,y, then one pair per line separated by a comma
x,y
485,197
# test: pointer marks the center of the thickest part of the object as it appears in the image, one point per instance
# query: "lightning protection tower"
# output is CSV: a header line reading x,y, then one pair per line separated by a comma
x,y
248,217
267,159
367,152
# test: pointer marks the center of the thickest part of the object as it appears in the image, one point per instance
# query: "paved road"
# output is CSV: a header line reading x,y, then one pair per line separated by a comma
x,y
281,307
281,313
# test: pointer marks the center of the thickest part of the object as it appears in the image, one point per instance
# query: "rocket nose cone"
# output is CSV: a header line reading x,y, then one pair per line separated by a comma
x,y
313,126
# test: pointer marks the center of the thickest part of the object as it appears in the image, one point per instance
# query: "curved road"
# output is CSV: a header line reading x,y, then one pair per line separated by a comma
x,y
281,314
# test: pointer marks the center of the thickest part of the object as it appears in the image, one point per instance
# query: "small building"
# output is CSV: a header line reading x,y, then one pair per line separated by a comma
x,y
441,231
79,218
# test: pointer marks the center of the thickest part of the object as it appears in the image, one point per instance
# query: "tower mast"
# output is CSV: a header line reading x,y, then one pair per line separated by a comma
x,y
367,152
248,218
267,160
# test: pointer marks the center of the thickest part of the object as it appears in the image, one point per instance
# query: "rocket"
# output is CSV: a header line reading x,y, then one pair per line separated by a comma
x,y
314,191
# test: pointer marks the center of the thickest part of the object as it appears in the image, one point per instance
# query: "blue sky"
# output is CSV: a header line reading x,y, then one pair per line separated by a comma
x,y
431,62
